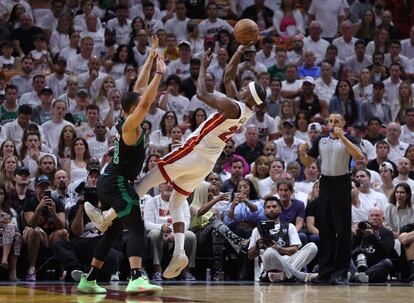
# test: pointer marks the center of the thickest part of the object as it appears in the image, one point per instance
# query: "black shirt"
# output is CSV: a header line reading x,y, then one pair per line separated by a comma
x,y
127,160
250,155
25,37
188,88
373,165
46,222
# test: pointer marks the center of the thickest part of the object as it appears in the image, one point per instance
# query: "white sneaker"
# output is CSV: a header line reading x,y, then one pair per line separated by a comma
x,y
76,274
177,264
97,217
115,276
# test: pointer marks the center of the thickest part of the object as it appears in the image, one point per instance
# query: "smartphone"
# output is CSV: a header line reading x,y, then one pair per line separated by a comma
x,y
48,194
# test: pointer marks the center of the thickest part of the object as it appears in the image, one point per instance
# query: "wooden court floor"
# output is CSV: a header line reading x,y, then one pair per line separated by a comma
x,y
227,292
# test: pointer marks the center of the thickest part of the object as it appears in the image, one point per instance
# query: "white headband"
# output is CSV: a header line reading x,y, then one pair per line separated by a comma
x,y
254,93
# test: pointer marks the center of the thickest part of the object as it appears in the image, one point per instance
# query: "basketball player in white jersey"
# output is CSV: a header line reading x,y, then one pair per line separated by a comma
x,y
186,166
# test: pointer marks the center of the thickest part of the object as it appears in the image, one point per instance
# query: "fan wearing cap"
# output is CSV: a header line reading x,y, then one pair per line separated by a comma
x,y
115,186
45,222
181,66
250,67
376,106
310,102
43,112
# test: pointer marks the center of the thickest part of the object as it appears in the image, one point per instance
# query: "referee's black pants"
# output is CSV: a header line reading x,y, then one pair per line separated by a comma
x,y
334,227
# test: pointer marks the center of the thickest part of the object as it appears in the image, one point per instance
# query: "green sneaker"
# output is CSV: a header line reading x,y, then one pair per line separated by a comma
x,y
89,287
142,286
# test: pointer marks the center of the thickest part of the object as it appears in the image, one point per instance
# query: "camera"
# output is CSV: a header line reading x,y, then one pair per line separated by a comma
x,y
267,232
91,195
364,225
361,263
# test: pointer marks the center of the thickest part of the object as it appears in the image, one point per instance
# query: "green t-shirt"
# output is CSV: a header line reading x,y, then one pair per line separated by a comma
x,y
6,116
276,72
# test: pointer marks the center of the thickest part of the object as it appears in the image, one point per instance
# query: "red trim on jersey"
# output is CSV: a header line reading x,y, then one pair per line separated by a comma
x,y
168,179
184,150
180,190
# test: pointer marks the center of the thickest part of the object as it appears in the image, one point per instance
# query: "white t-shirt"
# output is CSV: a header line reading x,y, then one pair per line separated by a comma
x,y
179,105
155,119
407,135
293,236
368,201
178,68
345,49
319,47
52,131
177,27
6,64
122,32
327,13
208,28
58,86
96,148
196,103
77,65
265,128
259,68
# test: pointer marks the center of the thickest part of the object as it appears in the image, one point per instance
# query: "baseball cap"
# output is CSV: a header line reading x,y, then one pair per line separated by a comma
x,y
309,80
83,91
94,168
184,42
387,165
22,170
289,121
315,126
378,83
42,179
46,90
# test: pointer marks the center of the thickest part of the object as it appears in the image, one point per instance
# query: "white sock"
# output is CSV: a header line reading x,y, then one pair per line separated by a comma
x,y
179,242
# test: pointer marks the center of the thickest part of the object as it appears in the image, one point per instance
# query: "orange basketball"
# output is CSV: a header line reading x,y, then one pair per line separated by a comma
x,y
246,31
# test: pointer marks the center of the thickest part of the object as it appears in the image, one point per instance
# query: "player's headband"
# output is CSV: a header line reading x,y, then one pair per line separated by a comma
x,y
253,91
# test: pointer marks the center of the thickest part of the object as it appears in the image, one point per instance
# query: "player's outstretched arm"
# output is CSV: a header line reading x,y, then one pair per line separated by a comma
x,y
231,69
131,130
223,104
143,77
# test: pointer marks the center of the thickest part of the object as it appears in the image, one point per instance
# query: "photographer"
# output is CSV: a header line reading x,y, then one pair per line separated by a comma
x,y
282,258
75,254
373,245
45,221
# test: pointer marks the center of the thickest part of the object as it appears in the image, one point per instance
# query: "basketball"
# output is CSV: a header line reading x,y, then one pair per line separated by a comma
x,y
246,31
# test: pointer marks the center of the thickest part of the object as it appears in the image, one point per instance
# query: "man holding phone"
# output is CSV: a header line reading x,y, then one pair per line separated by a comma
x,y
45,221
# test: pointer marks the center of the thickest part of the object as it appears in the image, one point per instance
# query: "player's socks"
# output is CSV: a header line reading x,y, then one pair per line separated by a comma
x,y
92,274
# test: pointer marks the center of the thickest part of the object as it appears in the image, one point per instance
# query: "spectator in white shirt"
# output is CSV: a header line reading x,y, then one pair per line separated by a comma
x,y
59,38
181,66
266,125
329,14
345,43
121,24
392,83
394,56
407,45
368,197
79,64
33,98
92,30
152,25
14,129
356,63
98,145
325,85
403,168
158,223
178,24
212,25
173,101
407,130
217,68
287,146
79,22
250,67
53,127
71,50
314,42
397,147
268,185
23,81
266,55
58,80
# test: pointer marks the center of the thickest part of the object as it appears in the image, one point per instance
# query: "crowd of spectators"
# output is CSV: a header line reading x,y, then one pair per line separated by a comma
x,y
65,65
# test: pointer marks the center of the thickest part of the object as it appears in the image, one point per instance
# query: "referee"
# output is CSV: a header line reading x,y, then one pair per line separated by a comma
x,y
335,150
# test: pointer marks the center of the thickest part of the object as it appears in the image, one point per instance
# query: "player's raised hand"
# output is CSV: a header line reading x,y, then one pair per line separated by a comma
x,y
161,67
154,46
243,47
207,57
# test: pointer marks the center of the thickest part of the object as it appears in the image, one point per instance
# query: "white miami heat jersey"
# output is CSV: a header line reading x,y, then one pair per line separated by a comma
x,y
210,137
